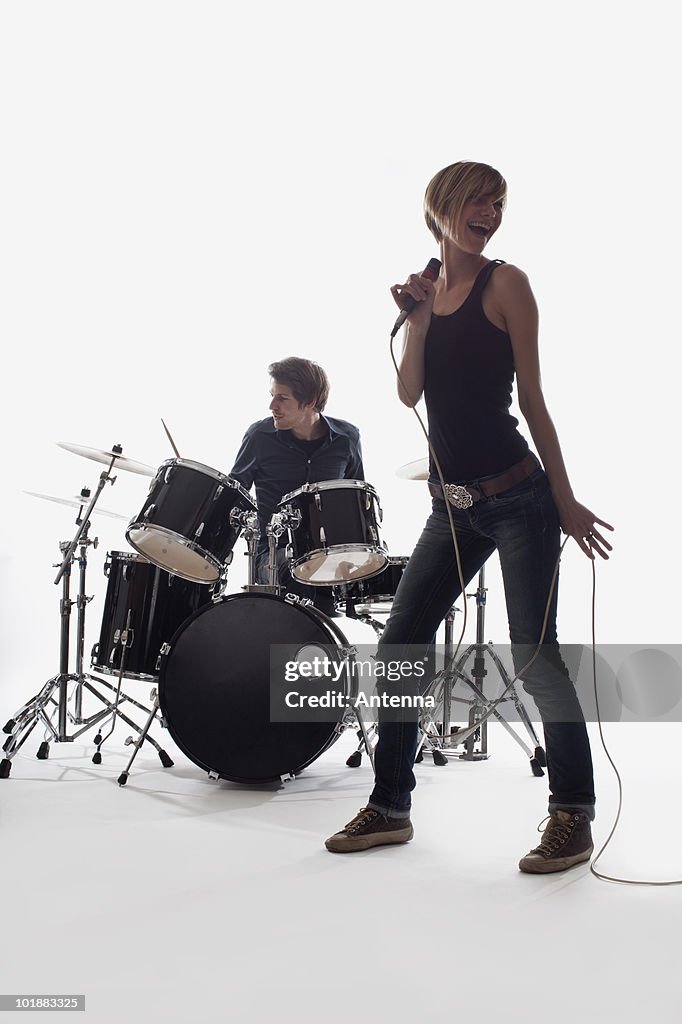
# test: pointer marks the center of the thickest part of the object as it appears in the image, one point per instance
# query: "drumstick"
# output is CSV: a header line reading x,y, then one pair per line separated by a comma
x,y
177,453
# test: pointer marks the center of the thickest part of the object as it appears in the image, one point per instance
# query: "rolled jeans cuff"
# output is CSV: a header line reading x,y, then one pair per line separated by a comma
x,y
388,813
587,809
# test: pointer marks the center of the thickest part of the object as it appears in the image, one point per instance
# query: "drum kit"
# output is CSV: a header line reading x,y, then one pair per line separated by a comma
x,y
167,620
209,655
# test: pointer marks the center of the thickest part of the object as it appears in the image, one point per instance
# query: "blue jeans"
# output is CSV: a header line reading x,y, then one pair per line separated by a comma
x,y
522,523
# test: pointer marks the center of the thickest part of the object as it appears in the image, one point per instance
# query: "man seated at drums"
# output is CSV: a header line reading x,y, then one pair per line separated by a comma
x,y
295,445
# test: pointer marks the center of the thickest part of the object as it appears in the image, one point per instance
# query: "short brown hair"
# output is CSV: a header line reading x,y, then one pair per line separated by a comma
x,y
451,188
307,380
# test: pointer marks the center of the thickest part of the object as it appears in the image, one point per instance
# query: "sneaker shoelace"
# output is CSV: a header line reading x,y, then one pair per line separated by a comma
x,y
555,835
362,818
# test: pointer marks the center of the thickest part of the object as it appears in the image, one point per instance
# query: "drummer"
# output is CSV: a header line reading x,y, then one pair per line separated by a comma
x,y
295,445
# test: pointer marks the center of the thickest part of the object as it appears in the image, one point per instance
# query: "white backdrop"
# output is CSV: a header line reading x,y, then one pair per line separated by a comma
x,y
194,189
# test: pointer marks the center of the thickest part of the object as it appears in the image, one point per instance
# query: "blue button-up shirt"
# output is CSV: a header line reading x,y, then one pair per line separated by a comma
x,y
271,460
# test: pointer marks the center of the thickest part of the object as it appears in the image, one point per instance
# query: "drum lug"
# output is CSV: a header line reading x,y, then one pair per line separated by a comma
x,y
125,636
149,511
199,530
163,651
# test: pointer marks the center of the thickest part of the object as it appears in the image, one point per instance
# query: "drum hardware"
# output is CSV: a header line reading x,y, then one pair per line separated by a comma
x,y
143,735
50,706
223,720
439,736
280,522
335,535
189,502
83,520
248,522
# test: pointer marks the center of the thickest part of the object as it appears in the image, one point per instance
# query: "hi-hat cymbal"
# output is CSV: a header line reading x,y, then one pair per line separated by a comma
x,y
77,502
101,455
417,470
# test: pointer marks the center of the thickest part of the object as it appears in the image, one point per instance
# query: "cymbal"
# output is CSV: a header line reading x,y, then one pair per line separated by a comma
x,y
417,470
100,455
77,502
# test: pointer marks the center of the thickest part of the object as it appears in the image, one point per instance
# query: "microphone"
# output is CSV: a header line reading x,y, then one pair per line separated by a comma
x,y
430,272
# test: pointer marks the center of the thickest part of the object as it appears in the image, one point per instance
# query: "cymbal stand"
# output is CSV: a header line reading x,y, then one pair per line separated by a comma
x,y
49,706
441,737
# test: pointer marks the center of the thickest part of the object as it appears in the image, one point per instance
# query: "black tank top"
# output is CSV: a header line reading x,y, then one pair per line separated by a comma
x,y
468,379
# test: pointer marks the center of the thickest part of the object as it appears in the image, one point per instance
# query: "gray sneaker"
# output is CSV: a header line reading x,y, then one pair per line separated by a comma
x,y
566,841
370,828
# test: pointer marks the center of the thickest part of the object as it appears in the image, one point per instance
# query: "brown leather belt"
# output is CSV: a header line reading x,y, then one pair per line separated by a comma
x,y
464,495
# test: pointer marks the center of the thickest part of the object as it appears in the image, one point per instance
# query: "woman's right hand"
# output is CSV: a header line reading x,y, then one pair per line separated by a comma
x,y
423,291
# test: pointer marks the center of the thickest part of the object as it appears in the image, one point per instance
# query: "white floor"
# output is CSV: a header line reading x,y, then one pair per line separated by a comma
x,y
178,898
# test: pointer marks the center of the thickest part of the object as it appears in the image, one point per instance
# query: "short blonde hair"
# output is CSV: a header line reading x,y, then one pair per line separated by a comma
x,y
451,188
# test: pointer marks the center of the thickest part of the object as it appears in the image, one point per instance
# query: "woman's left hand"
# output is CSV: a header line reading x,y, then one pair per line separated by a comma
x,y
578,522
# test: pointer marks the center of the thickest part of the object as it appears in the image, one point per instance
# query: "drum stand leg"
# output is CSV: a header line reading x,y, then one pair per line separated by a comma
x,y
49,707
440,738
137,743
367,743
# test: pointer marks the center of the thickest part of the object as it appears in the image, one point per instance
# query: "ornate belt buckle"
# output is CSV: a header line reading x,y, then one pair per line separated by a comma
x,y
458,496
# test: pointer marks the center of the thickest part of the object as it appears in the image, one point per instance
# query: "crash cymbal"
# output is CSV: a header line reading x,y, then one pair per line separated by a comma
x,y
77,502
101,455
417,470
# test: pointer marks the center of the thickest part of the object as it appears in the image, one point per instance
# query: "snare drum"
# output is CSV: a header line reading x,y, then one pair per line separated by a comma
x,y
375,595
191,520
157,602
334,532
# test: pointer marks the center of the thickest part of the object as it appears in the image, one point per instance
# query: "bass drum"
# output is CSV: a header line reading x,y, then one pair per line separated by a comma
x,y
215,688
